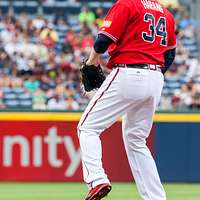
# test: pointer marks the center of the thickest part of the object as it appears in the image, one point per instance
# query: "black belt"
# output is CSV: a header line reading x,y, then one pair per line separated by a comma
x,y
140,66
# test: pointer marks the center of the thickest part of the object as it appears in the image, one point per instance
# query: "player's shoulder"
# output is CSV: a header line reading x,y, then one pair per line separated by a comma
x,y
127,3
168,14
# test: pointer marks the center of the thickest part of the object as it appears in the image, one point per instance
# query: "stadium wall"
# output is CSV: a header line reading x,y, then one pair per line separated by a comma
x,y
43,146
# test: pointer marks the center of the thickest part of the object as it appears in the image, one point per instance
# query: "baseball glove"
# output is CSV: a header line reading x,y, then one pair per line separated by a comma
x,y
92,76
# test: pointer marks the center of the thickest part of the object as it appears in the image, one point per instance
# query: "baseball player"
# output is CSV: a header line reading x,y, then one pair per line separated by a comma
x,y
140,38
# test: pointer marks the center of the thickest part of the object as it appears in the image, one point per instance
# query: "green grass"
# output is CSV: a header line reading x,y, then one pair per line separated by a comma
x,y
65,191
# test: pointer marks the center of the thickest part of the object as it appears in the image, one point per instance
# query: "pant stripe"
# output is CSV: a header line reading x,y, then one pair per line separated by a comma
x,y
87,172
100,96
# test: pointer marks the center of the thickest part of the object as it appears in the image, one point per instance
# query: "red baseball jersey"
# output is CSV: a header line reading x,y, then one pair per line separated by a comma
x,y
142,30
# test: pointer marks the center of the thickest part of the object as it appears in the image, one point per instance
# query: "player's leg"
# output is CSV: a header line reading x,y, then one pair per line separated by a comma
x,y
136,127
104,109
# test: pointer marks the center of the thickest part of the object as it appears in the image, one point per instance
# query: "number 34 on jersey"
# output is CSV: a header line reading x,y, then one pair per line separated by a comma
x,y
156,29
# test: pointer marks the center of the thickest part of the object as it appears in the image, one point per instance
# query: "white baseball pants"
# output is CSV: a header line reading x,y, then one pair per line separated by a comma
x,y
132,94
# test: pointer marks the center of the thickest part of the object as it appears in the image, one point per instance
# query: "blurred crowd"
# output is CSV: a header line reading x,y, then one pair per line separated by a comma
x,y
182,81
40,60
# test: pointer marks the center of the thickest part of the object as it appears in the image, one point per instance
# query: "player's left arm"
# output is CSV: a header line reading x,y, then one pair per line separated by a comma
x,y
100,46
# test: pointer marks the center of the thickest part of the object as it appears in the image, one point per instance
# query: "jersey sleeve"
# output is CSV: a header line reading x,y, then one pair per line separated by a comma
x,y
115,22
172,36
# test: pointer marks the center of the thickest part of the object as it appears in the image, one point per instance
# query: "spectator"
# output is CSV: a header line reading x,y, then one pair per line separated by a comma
x,y
71,104
31,84
99,16
39,99
188,95
87,16
56,103
38,22
49,36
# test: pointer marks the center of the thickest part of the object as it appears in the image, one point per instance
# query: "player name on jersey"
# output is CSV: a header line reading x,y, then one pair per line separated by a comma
x,y
152,5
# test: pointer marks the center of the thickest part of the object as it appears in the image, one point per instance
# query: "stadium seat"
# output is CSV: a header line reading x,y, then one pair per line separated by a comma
x,y
25,103
167,92
18,91
10,96
7,90
4,6
19,6
24,96
12,103
30,7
